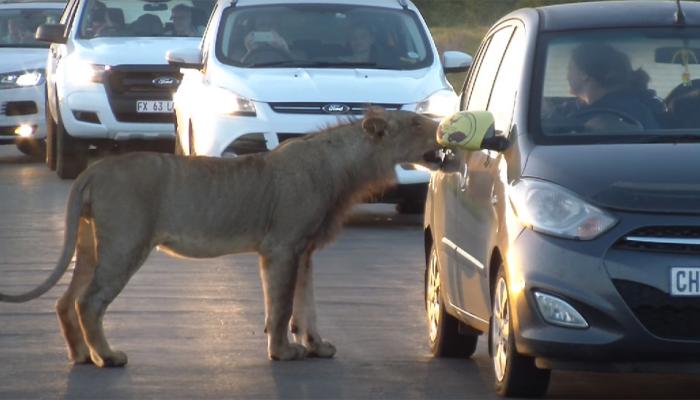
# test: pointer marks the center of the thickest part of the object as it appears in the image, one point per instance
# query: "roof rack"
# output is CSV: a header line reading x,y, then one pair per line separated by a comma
x,y
404,4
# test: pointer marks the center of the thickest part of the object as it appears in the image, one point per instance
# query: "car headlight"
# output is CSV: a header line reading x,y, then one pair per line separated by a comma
x,y
549,208
12,80
439,105
82,73
222,101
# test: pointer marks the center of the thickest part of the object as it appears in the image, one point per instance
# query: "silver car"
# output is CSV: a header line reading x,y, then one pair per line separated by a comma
x,y
570,235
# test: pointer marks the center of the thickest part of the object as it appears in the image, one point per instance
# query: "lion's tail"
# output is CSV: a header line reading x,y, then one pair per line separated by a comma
x,y
73,209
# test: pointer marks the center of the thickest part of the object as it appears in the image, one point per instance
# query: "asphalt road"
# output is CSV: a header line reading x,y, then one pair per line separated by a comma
x,y
194,328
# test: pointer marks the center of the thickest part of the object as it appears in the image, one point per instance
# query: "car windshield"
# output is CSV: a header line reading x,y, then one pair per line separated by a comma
x,y
17,26
139,18
640,85
323,35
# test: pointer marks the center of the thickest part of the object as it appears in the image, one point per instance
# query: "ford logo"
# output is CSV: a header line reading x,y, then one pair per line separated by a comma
x,y
336,108
167,81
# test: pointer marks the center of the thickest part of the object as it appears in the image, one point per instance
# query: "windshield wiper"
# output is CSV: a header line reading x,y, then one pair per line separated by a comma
x,y
312,64
687,138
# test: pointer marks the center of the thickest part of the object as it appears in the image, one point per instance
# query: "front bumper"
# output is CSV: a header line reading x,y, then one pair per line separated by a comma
x,y
22,106
218,135
594,277
92,101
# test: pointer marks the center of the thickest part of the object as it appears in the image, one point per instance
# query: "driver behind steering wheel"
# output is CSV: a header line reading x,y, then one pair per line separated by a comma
x,y
264,34
609,93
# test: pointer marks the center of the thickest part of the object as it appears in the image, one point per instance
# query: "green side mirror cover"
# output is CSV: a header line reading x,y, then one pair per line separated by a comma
x,y
465,130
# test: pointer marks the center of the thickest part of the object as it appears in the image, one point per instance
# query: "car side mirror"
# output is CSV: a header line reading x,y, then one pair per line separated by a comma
x,y
469,131
456,61
187,57
51,33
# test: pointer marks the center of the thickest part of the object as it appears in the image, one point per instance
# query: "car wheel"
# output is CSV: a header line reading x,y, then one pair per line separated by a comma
x,y
443,329
32,147
50,139
71,153
515,375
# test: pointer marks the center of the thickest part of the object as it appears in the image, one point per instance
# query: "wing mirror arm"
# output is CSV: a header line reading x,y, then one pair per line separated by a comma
x,y
496,143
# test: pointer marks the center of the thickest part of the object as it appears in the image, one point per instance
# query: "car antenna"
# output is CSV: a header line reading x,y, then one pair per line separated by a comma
x,y
680,16
404,4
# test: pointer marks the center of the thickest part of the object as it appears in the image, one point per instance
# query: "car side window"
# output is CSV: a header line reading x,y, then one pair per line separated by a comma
x,y
208,36
507,82
488,68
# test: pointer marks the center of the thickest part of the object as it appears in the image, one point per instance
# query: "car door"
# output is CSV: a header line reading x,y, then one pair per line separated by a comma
x,y
56,52
194,79
471,231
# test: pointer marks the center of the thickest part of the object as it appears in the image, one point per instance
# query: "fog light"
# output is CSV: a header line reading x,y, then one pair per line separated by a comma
x,y
24,131
558,312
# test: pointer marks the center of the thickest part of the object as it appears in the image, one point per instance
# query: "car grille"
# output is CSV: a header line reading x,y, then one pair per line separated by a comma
x,y
325,108
670,239
3,108
662,314
126,84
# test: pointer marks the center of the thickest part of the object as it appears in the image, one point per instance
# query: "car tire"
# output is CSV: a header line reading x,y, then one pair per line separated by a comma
x,y
50,140
515,375
444,337
32,147
71,153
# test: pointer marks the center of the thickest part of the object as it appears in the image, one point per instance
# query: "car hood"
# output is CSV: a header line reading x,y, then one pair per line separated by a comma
x,y
332,85
15,59
126,50
630,177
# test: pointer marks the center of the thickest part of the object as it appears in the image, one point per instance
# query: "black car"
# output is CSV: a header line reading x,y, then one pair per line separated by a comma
x,y
571,236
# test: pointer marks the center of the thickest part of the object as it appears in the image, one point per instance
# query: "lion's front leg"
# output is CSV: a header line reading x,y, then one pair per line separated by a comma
x,y
303,324
278,272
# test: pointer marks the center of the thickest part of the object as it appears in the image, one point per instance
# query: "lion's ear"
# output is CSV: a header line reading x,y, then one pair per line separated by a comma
x,y
375,122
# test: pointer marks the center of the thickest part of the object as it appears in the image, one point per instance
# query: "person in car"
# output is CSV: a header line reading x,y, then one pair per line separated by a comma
x,y
182,23
361,45
18,32
264,33
609,93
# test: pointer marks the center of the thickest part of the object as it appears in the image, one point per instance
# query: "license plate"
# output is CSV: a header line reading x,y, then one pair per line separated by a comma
x,y
685,281
154,106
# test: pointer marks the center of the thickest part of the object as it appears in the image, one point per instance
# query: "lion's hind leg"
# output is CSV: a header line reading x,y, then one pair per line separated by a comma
x,y
303,325
86,260
115,267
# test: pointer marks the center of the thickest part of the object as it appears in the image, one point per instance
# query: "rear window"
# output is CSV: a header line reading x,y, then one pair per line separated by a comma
x,y
325,35
139,18
630,85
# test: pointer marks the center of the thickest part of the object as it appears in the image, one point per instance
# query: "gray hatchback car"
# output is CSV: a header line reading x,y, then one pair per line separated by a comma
x,y
571,235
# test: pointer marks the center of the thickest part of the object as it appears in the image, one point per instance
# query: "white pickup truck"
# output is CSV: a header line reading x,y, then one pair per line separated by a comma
x,y
107,80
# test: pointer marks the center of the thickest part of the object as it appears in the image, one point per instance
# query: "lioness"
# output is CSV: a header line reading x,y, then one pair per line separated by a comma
x,y
283,204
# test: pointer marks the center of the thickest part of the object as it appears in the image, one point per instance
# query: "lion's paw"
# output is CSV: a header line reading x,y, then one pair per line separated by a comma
x,y
115,359
288,353
322,350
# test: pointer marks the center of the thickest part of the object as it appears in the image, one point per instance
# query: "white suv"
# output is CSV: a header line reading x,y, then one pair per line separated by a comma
x,y
107,80
22,75
270,70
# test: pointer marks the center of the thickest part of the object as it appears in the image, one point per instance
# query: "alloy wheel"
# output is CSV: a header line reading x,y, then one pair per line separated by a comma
x,y
432,299
500,329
